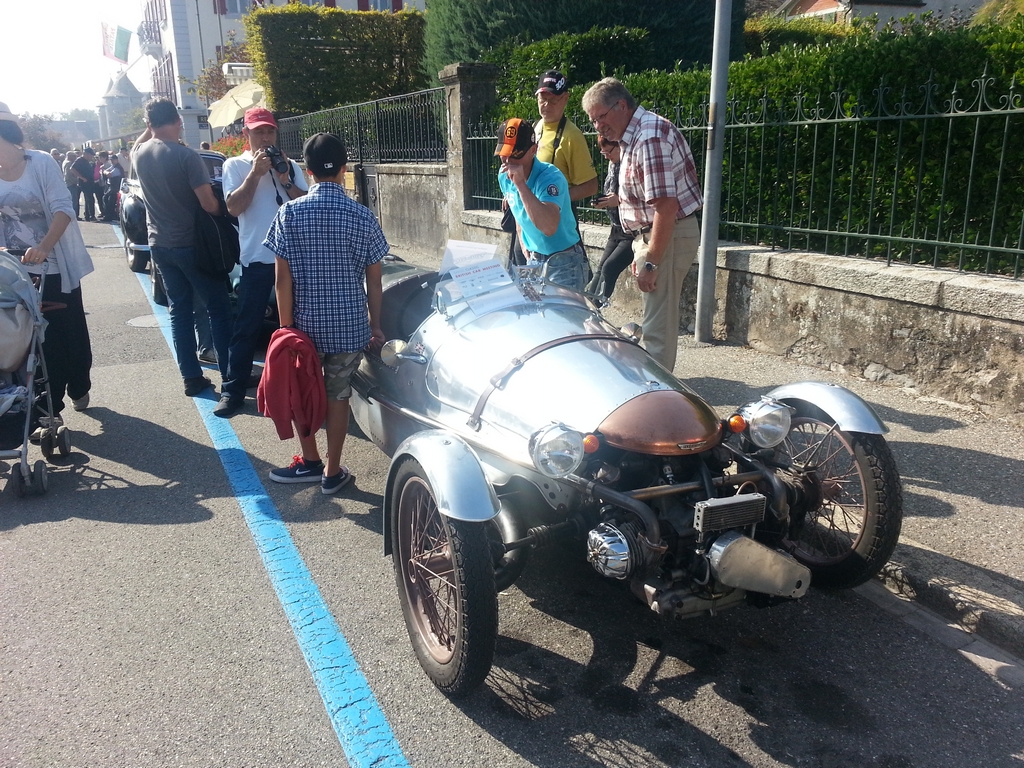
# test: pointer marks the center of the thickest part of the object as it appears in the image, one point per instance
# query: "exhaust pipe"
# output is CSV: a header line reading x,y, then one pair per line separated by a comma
x,y
739,561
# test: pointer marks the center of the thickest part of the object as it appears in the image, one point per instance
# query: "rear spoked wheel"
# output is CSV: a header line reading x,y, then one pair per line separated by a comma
x,y
445,580
853,506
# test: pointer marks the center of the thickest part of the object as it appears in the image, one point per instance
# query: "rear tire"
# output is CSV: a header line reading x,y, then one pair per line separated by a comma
x,y
138,261
851,529
445,580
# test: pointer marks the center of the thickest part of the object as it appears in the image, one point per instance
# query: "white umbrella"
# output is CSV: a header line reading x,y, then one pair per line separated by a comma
x,y
232,105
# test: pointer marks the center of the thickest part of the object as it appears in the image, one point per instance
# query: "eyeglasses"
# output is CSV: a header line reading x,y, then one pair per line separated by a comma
x,y
600,118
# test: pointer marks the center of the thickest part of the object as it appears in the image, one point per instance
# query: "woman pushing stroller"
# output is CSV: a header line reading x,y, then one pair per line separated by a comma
x,y
38,217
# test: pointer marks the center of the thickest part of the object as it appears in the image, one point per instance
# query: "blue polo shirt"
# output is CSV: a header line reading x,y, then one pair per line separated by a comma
x,y
328,241
550,186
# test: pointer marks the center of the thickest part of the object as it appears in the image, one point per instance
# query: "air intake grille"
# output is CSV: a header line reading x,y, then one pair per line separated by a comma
x,y
733,512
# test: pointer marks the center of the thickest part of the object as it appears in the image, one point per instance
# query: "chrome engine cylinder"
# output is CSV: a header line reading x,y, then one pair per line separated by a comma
x,y
613,551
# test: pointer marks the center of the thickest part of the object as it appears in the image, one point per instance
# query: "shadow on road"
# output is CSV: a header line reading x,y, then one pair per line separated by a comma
x,y
827,681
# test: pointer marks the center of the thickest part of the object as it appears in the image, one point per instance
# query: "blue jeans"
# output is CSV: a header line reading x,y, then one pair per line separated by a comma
x,y
253,293
567,268
182,281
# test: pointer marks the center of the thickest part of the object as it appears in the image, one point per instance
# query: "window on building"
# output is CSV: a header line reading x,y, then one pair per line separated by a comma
x,y
163,79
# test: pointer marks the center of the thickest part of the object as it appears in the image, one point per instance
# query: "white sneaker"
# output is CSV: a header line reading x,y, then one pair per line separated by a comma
x,y
81,403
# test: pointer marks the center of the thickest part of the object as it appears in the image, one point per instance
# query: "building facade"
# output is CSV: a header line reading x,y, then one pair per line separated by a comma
x,y
182,37
844,11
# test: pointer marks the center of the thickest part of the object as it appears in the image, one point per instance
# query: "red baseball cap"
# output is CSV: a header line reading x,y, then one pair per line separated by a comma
x,y
258,116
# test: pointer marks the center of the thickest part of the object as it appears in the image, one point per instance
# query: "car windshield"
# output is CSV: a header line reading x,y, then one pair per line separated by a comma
x,y
215,165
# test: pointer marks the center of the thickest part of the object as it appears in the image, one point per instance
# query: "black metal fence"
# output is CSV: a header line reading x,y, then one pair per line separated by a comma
x,y
411,128
930,181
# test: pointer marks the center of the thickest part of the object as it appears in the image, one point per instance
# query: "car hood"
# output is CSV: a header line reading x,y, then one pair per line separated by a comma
x,y
555,360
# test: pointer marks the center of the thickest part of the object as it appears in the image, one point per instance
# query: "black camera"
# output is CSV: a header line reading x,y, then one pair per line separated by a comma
x,y
277,160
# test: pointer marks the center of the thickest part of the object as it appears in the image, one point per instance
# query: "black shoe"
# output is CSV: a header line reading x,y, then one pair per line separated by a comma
x,y
195,385
228,406
253,380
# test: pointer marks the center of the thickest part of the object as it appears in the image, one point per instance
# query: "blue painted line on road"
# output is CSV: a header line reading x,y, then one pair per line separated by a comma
x,y
358,720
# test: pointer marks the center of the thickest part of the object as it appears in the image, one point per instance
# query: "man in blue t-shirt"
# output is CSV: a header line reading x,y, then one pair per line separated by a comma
x,y
538,196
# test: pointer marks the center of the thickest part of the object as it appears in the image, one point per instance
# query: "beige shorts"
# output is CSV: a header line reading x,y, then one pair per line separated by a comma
x,y
338,370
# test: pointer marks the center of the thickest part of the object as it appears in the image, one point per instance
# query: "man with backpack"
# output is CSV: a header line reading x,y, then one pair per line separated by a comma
x,y
175,184
254,190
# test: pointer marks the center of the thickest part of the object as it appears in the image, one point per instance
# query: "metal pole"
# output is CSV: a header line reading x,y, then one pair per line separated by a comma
x,y
707,255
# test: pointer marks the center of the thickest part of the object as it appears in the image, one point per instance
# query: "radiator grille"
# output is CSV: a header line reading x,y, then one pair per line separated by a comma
x,y
733,512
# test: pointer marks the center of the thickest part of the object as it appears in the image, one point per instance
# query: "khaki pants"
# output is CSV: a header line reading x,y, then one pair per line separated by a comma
x,y
661,307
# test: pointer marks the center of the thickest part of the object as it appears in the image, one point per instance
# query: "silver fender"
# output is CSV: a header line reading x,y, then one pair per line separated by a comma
x,y
848,410
455,475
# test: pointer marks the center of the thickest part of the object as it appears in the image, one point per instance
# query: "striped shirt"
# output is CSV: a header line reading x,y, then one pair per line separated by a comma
x,y
328,241
656,162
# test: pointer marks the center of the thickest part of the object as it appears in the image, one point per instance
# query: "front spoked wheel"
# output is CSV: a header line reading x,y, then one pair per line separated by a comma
x,y
445,580
853,502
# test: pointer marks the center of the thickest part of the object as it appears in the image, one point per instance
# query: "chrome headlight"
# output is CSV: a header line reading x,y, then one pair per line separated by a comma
x,y
556,450
768,422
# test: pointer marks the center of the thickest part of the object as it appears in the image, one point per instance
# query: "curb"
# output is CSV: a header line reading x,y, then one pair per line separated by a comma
x,y
976,600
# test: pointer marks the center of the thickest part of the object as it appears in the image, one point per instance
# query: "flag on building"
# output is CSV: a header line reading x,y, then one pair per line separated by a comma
x,y
115,42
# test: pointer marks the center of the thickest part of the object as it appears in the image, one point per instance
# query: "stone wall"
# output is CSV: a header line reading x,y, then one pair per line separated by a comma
x,y
413,202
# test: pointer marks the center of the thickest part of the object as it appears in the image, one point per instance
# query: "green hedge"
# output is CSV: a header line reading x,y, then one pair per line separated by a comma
x,y
680,31
309,58
768,34
582,58
857,64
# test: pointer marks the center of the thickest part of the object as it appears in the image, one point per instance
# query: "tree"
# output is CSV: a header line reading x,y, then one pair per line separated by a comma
x,y
680,31
38,134
133,120
211,83
80,114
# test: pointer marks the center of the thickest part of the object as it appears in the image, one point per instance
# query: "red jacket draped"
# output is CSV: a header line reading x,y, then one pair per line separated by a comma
x,y
292,386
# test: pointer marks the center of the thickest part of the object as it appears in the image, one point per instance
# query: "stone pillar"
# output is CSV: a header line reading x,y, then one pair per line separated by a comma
x,y
469,91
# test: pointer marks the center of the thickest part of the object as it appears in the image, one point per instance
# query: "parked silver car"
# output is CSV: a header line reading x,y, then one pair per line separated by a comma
x,y
516,420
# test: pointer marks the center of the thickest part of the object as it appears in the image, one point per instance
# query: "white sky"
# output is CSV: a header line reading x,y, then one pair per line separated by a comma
x,y
53,53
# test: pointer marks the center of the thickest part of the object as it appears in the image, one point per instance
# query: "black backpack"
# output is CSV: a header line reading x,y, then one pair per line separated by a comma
x,y
217,248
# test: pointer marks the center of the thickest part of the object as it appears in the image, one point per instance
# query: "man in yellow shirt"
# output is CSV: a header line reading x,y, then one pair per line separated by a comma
x,y
561,143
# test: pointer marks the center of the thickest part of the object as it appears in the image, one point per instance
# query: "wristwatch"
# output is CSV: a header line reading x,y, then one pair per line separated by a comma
x,y
288,185
650,266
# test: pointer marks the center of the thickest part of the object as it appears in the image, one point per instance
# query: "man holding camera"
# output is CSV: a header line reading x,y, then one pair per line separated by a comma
x,y
256,184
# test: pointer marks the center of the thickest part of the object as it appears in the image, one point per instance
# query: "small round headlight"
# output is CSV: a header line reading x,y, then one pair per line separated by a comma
x,y
556,450
768,422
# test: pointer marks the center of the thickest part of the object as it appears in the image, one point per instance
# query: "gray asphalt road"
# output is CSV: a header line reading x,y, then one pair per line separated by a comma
x,y
139,626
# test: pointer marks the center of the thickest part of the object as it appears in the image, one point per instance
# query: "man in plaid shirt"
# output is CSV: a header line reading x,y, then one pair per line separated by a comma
x,y
659,195
329,250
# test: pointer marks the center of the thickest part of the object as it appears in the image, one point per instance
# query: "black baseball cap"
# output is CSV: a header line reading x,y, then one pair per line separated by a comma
x,y
554,82
324,154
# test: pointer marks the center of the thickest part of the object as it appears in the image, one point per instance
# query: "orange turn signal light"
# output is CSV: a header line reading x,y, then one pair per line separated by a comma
x,y
737,423
591,443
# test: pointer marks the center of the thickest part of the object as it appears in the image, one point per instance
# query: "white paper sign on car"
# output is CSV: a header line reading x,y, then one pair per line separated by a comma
x,y
480,278
463,253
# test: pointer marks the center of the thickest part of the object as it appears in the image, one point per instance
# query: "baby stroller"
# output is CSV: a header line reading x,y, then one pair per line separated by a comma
x,y
26,406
